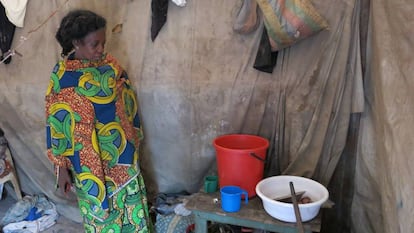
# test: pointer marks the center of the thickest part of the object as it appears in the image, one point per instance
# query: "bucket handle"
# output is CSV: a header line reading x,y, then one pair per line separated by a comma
x,y
257,157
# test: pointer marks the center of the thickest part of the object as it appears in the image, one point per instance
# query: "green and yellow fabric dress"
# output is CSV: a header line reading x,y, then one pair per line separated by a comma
x,y
93,128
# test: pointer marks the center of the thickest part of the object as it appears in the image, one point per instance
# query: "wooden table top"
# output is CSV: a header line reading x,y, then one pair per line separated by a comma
x,y
210,203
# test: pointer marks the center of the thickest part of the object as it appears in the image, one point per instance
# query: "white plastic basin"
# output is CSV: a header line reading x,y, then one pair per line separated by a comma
x,y
274,187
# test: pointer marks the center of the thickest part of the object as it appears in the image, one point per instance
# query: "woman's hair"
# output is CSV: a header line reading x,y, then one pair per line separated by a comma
x,y
75,26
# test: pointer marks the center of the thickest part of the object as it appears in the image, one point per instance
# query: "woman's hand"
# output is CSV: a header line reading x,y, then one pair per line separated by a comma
x,y
64,180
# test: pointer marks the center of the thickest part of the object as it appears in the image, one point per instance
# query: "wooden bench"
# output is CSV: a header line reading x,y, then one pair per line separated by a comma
x,y
207,207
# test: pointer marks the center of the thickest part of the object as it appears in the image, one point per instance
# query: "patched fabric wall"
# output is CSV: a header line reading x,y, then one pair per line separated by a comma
x,y
196,81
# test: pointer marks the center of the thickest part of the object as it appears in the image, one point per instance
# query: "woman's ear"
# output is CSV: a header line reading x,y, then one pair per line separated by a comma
x,y
76,44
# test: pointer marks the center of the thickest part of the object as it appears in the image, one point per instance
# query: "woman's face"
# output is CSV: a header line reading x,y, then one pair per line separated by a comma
x,y
92,46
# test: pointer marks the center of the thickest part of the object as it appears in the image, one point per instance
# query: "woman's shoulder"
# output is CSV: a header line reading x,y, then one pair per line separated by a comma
x,y
59,66
109,59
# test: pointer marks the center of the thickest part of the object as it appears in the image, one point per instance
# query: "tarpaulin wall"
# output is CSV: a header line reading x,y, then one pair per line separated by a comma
x,y
196,81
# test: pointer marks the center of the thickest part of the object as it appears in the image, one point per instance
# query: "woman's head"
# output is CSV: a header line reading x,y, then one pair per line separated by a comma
x,y
83,30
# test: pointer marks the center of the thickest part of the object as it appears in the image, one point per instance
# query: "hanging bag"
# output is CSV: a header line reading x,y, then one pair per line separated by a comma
x,y
290,21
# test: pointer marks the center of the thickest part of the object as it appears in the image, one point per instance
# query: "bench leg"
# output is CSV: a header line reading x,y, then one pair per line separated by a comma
x,y
200,224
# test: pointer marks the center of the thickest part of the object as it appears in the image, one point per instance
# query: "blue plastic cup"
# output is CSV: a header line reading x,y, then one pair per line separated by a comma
x,y
231,198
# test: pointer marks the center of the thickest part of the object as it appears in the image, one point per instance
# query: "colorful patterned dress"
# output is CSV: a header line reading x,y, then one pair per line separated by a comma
x,y
93,129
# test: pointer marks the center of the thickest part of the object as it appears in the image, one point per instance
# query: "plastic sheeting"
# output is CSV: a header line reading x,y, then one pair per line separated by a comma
x,y
384,187
196,81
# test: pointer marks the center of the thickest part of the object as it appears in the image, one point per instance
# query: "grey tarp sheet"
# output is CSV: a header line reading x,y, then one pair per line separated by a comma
x,y
196,81
384,180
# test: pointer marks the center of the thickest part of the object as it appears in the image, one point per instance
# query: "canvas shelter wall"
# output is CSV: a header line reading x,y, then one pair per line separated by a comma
x,y
383,194
196,81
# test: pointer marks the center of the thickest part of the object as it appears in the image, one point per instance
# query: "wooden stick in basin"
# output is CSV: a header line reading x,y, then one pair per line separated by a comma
x,y
296,208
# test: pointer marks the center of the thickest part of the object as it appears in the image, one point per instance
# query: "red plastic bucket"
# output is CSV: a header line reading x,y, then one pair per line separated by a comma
x,y
240,160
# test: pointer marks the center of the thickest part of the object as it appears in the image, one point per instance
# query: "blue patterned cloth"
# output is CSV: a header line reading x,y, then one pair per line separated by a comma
x,y
173,223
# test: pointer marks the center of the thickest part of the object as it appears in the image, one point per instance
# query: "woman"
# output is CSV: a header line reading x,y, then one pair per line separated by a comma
x,y
93,129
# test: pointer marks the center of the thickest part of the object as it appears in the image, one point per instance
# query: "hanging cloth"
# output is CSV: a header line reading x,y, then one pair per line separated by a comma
x,y
265,58
159,16
6,34
15,11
